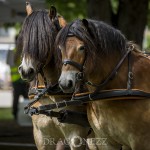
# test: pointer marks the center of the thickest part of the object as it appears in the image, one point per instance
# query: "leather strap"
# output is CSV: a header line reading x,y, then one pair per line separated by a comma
x,y
112,74
65,116
40,92
101,96
130,73
73,63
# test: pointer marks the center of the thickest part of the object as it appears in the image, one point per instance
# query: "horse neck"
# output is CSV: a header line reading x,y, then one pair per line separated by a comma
x,y
104,66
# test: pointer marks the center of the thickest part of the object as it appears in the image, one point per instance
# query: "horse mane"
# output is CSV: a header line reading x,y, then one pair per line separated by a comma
x,y
99,38
37,36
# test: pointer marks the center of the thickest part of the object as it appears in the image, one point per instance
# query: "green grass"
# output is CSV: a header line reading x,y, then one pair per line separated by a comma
x,y
5,114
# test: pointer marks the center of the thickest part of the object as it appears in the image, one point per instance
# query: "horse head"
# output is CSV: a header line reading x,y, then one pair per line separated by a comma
x,y
85,45
36,40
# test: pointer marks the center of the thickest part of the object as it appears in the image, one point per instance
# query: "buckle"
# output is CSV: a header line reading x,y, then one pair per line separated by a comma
x,y
79,76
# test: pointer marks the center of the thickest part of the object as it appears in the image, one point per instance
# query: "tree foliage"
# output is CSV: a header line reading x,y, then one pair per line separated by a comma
x,y
129,16
70,9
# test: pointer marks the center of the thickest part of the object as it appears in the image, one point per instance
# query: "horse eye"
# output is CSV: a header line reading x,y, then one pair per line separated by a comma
x,y
82,48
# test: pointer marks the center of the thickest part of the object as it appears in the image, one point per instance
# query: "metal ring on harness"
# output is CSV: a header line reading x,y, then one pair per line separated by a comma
x,y
90,97
57,105
79,76
131,47
130,75
65,103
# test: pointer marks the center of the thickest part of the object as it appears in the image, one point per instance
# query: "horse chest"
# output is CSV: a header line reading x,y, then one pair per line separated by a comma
x,y
104,121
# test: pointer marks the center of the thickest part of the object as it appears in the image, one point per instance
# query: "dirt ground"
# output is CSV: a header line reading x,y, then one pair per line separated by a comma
x,y
14,137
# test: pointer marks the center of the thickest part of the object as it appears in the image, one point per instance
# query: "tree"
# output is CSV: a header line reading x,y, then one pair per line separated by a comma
x,y
99,10
70,9
130,16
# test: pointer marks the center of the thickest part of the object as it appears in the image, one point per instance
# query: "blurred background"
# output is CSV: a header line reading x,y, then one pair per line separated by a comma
x,y
132,17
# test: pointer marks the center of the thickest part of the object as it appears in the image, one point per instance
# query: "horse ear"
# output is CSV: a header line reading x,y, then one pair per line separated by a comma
x,y
29,9
52,12
62,21
85,23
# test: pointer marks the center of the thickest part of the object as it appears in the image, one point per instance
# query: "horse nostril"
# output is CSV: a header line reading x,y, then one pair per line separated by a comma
x,y
70,83
31,71
19,68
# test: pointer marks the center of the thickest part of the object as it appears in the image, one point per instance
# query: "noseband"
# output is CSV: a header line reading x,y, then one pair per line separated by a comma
x,y
79,75
73,63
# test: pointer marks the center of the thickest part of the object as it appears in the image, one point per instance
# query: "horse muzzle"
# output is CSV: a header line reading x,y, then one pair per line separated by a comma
x,y
67,81
27,75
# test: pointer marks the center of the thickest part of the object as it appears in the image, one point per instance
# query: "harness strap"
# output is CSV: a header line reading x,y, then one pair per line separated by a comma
x,y
103,95
112,74
74,117
40,92
65,116
81,99
36,99
73,63
130,73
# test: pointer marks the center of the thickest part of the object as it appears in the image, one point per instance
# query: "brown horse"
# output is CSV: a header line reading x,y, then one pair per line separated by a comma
x,y
36,39
105,60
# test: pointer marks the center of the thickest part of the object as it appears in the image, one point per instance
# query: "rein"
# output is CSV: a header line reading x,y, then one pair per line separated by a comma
x,y
37,97
80,99
63,116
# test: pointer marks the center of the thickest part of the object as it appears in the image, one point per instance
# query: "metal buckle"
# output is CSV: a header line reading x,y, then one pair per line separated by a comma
x,y
79,76
31,111
90,97
130,75
131,47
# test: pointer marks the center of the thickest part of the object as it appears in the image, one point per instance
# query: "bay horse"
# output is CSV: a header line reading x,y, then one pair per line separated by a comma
x,y
36,39
104,59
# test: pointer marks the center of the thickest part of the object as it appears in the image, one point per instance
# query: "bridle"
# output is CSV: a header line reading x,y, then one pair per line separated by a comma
x,y
81,74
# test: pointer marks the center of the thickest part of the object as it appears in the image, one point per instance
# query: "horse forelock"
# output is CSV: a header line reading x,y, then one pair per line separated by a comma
x,y
37,36
100,39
